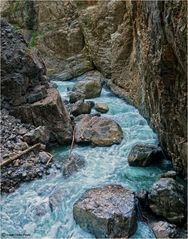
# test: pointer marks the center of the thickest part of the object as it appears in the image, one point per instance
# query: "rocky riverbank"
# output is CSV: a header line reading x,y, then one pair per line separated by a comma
x,y
28,166
41,116
26,91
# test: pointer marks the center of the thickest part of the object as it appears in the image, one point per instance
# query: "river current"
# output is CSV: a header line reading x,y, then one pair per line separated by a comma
x,y
26,213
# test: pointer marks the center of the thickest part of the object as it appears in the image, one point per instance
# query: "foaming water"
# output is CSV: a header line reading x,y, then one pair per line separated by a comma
x,y
27,210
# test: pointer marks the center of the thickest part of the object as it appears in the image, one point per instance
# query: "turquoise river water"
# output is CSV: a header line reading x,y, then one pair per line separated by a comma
x,y
27,212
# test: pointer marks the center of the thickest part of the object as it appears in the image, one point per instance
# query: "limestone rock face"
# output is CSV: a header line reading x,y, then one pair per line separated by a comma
x,y
98,131
26,92
167,199
107,212
149,70
56,32
99,22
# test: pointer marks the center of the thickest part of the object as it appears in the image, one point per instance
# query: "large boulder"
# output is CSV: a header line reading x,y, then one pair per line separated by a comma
x,y
98,131
81,107
144,155
167,199
101,107
90,88
49,112
107,212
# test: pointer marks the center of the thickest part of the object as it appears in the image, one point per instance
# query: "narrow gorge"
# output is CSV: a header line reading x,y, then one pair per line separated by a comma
x,y
93,119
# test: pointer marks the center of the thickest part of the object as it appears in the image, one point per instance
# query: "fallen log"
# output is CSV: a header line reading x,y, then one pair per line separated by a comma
x,y
72,143
20,154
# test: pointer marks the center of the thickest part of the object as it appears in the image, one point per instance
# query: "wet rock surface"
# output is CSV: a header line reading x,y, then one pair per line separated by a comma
x,y
107,212
98,131
27,167
167,199
144,155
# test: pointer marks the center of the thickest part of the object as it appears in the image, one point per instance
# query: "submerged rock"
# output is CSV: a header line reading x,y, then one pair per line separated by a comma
x,y
90,88
73,164
144,155
98,131
55,198
167,199
101,107
165,230
107,212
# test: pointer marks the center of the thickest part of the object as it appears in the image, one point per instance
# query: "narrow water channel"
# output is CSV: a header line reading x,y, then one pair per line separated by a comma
x,y
27,210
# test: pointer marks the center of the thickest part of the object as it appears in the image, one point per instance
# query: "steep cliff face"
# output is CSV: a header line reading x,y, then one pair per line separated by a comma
x,y
26,92
139,46
56,33
152,71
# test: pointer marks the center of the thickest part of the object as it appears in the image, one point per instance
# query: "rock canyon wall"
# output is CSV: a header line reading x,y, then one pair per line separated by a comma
x,y
139,46
25,90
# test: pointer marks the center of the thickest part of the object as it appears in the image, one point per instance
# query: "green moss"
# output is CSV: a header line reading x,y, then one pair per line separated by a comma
x,y
33,40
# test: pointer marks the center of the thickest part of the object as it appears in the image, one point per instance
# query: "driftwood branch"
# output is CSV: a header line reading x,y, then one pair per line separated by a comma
x,y
72,143
49,158
6,162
